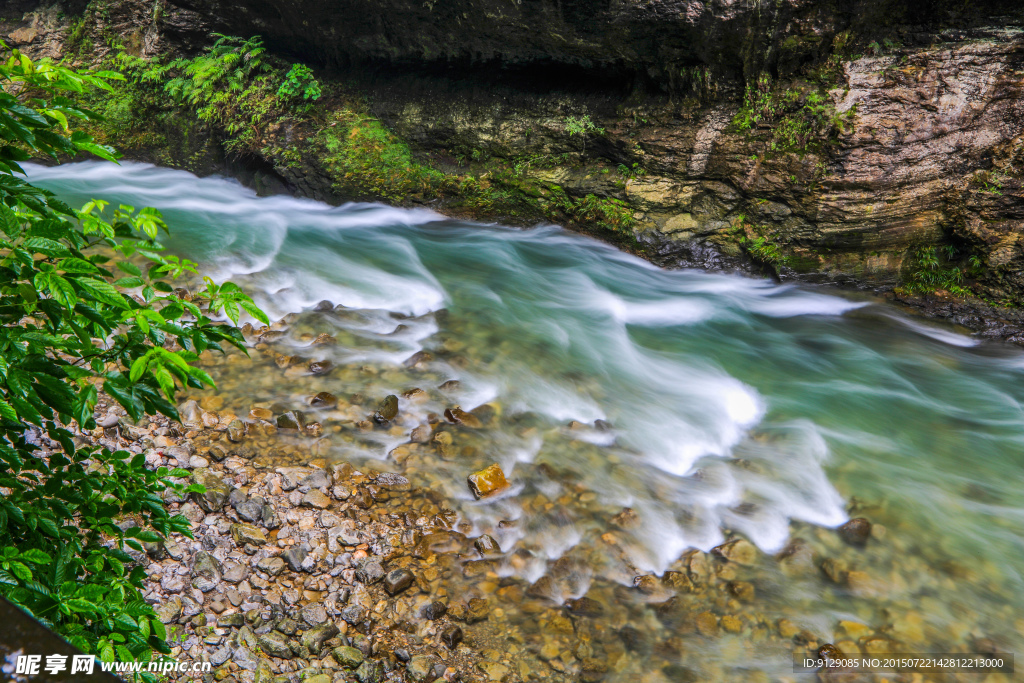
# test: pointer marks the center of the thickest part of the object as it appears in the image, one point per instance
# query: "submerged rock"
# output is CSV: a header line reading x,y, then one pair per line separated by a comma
x,y
387,410
856,532
291,420
738,550
324,399
321,367
459,416
487,482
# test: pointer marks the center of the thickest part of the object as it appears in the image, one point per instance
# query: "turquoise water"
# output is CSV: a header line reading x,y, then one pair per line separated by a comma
x,y
734,404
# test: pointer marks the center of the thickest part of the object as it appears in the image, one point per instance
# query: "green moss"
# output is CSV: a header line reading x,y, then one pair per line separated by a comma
x,y
365,158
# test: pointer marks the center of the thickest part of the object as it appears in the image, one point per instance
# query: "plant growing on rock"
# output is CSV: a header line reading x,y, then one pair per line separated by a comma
x,y
300,83
71,328
582,126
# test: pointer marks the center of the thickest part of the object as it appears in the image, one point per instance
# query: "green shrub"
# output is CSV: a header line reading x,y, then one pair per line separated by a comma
x,y
299,83
69,330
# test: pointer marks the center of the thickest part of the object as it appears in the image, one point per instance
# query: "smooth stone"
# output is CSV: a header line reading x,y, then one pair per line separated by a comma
x,y
315,499
435,610
738,550
856,532
387,410
321,367
324,399
486,545
348,657
452,636
487,482
397,581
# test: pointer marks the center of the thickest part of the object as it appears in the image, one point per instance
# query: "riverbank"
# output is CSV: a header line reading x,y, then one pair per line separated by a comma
x,y
804,178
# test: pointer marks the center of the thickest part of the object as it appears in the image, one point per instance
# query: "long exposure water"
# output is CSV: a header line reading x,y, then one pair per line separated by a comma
x,y
711,405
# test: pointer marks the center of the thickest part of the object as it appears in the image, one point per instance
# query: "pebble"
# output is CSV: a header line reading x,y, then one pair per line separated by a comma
x,y
397,581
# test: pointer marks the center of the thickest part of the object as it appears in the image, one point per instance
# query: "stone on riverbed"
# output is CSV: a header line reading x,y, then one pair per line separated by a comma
x,y
397,581
486,545
247,533
321,367
271,565
487,482
452,636
275,644
216,494
348,657
205,572
856,532
738,550
295,556
291,420
314,638
236,430
459,416
387,410
324,399
315,499
369,571
421,669
191,414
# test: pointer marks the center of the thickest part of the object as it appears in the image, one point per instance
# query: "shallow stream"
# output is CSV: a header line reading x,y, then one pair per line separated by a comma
x,y
711,405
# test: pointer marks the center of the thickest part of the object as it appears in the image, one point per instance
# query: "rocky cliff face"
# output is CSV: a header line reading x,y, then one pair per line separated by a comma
x,y
871,142
650,40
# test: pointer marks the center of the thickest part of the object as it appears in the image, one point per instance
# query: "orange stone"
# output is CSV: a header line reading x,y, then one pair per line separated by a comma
x,y
487,482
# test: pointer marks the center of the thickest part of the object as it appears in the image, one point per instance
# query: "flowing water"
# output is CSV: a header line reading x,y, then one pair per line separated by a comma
x,y
711,405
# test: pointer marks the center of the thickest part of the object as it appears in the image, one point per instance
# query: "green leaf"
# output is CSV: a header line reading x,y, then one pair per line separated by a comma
x,y
49,526
62,291
76,265
253,310
102,291
35,555
7,412
20,570
130,268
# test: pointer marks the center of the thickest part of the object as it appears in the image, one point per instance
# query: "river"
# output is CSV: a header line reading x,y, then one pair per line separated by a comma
x,y
711,405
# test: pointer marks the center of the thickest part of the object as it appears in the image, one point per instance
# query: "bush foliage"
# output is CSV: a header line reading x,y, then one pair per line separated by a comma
x,y
72,328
